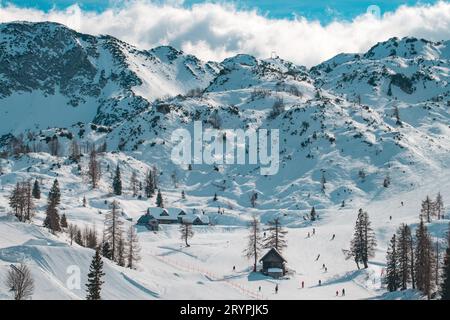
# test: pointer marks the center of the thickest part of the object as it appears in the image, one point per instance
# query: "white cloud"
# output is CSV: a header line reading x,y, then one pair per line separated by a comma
x,y
216,31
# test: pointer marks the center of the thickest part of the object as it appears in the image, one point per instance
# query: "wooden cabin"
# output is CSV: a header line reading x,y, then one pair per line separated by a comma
x,y
274,265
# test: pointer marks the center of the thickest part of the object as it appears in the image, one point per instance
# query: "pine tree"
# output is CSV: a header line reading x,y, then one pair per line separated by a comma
x,y
36,190
121,250
52,219
186,232
113,229
323,181
117,182
75,153
392,274
159,200
363,243
445,284
424,263
313,214
150,183
254,245
427,209
21,201
276,238
134,183
439,206
404,245
95,282
397,116
106,250
79,237
94,170
133,248
63,222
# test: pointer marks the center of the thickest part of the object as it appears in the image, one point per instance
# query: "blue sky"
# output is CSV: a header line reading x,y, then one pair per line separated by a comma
x,y
323,10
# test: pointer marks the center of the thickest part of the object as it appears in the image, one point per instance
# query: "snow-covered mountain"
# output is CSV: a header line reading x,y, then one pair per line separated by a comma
x,y
356,120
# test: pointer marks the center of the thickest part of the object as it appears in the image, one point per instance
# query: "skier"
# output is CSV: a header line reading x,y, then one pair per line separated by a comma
x,y
259,288
334,236
276,288
320,282
308,235
323,266
390,217
303,284
314,231
318,256
337,293
326,269
343,292
234,268
402,203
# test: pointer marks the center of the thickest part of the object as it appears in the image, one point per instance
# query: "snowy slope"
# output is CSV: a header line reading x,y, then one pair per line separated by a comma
x,y
339,119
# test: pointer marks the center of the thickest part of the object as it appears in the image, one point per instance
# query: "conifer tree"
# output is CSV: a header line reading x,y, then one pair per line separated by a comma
x,y
117,182
113,229
424,261
134,183
363,243
159,200
439,206
95,282
94,169
63,222
445,284
427,209
121,250
106,250
276,238
150,183
52,219
36,190
133,248
313,214
79,237
404,245
392,274
254,245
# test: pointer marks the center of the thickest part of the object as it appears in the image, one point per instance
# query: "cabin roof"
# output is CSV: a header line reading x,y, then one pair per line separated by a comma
x,y
273,253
